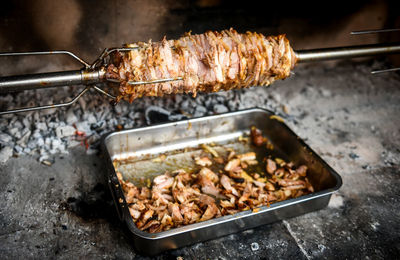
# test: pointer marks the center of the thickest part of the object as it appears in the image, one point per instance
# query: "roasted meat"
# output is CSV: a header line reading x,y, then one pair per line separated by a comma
x,y
211,190
208,62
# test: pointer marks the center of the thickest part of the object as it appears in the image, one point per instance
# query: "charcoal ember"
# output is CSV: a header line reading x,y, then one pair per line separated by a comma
x,y
32,143
176,117
199,111
210,102
3,125
112,122
276,97
154,115
47,142
103,112
50,111
17,124
64,131
219,109
24,138
82,103
353,156
91,151
178,98
93,139
129,124
84,127
6,99
36,134
200,99
15,132
41,126
55,143
57,146
18,149
5,139
186,104
118,109
73,143
40,141
326,93
27,150
46,159
54,125
5,154
220,97
89,117
232,105
134,115
70,117
98,126
36,117
27,121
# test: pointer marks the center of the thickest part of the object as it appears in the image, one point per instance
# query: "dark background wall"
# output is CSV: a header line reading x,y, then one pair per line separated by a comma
x,y
87,27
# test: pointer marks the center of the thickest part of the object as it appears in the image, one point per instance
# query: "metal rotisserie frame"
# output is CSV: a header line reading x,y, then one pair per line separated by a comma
x,y
145,142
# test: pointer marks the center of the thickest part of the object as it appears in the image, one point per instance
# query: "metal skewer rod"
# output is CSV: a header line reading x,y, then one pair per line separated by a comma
x,y
375,31
346,52
32,53
385,70
50,79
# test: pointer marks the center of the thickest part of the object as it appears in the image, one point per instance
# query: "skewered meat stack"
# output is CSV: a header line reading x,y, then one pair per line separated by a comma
x,y
208,62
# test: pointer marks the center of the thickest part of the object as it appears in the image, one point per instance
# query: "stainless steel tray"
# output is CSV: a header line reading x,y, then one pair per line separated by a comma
x,y
138,147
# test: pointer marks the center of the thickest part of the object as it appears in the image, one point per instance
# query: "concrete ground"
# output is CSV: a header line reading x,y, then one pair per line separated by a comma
x,y
348,116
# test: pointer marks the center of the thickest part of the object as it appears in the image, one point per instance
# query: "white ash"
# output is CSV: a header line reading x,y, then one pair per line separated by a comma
x,y
46,133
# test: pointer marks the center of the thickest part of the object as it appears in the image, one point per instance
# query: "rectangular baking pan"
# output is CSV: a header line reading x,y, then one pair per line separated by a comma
x,y
138,147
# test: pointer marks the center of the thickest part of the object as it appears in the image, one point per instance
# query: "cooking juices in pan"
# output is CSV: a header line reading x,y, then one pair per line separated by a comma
x,y
192,185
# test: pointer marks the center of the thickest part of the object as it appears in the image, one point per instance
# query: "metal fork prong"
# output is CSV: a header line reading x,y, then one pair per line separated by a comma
x,y
135,83
375,31
46,53
384,70
27,109
123,49
107,52
103,92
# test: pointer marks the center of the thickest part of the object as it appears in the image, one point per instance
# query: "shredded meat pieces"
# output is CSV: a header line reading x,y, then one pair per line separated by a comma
x,y
203,161
271,166
181,197
174,210
208,62
163,182
225,181
210,212
256,137
206,180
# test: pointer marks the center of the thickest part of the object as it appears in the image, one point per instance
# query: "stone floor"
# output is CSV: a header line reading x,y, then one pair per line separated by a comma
x,y
348,116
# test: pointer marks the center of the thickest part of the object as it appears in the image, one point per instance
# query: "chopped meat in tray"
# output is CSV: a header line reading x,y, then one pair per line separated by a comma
x,y
216,187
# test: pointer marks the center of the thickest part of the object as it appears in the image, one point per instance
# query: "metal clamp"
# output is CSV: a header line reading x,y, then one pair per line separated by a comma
x,y
88,76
